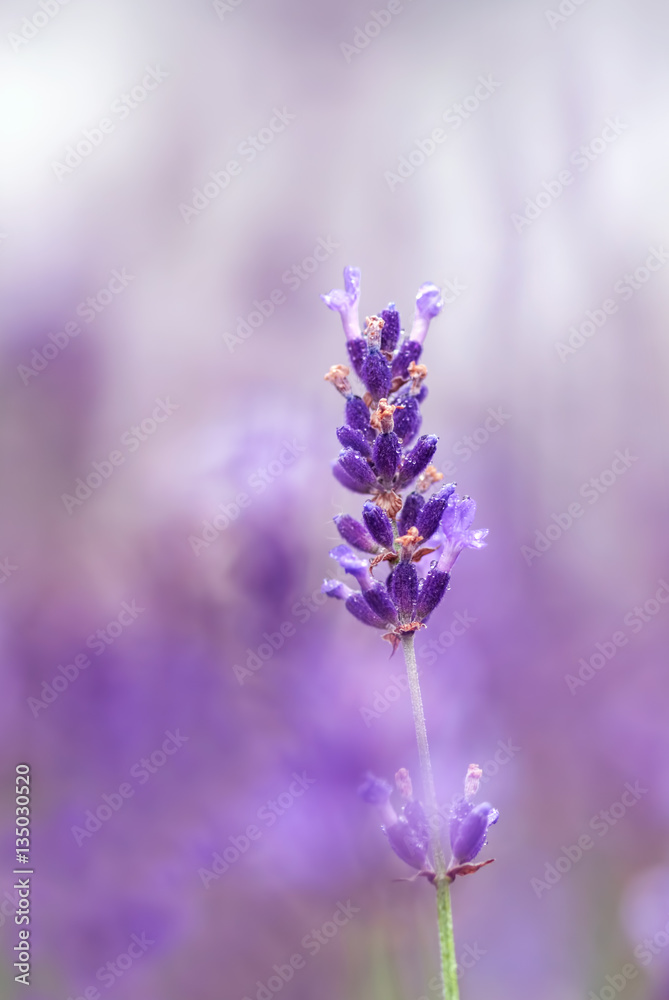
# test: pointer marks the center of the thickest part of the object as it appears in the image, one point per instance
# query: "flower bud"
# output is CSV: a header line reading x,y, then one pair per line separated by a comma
x,y
378,524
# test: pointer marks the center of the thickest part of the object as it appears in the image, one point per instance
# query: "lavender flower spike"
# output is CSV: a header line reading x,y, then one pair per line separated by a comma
x,y
345,302
404,521
429,304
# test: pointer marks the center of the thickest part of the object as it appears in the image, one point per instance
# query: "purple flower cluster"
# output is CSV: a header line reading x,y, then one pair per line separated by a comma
x,y
383,456
409,834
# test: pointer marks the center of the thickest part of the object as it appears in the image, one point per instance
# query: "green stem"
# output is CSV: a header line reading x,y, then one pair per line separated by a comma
x,y
444,914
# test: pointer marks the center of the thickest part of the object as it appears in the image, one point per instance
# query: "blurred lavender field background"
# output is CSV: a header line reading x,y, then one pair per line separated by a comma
x,y
180,183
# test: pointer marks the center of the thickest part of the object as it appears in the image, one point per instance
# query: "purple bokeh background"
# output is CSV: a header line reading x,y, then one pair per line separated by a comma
x,y
200,368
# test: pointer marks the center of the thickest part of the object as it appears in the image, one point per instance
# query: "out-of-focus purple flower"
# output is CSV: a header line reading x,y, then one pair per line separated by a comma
x,y
458,535
408,834
469,829
429,304
374,791
345,302
468,826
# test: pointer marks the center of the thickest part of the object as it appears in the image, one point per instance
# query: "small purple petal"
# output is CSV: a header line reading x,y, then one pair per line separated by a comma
x,y
387,454
355,534
374,791
379,601
352,282
455,522
345,302
335,588
391,329
353,564
417,460
404,589
409,351
429,304
378,524
376,374
357,469
409,837
431,592
348,437
361,610
468,833
413,504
